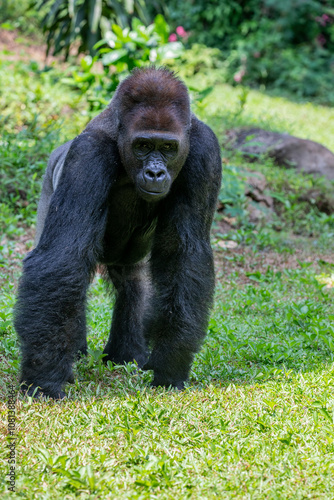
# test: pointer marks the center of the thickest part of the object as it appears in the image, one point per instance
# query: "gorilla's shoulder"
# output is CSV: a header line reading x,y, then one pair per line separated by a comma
x,y
199,130
204,143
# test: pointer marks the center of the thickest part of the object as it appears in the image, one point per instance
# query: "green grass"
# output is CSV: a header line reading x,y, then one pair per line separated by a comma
x,y
260,441
37,113
29,94
306,120
257,418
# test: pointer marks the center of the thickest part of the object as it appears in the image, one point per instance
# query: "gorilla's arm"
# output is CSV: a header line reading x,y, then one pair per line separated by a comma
x,y
50,182
182,263
50,311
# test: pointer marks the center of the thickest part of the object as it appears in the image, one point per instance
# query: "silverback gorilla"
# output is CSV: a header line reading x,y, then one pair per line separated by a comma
x,y
135,191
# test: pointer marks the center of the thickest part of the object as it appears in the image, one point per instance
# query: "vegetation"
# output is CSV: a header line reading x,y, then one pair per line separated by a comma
x,y
118,53
257,419
85,21
284,46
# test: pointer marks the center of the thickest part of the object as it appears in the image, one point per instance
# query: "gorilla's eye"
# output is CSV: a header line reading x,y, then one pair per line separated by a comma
x,y
144,146
168,147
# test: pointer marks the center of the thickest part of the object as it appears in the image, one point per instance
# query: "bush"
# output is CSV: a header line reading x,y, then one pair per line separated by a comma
x,y
34,105
16,14
83,22
118,53
278,45
23,158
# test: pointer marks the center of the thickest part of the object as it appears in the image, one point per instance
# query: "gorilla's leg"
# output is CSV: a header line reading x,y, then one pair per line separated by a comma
x,y
50,309
83,347
126,342
176,322
50,321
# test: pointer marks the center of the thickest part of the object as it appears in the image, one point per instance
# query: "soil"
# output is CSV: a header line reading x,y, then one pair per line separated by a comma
x,y
228,261
244,260
14,47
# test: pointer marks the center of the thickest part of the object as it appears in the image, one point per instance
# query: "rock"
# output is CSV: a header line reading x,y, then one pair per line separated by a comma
x,y
259,212
260,205
324,201
286,150
256,184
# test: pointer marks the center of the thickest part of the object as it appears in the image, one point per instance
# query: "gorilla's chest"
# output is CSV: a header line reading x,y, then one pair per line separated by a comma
x,y
130,226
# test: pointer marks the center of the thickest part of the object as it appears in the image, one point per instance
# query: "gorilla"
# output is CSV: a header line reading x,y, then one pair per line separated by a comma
x,y
136,192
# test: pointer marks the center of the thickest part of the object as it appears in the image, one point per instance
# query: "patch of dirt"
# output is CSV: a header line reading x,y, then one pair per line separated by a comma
x,y
16,47
23,49
244,260
227,260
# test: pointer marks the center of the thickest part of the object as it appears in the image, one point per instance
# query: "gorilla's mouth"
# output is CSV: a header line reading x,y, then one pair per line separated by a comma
x,y
152,193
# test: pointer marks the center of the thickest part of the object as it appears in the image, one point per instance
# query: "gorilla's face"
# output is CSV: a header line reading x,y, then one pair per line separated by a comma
x,y
153,157
156,153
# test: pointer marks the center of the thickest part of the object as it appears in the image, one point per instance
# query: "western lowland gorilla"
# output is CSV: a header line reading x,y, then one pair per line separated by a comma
x,y
136,191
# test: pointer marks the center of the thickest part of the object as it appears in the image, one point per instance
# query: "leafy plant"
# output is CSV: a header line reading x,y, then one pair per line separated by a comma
x,y
127,48
34,105
23,156
118,53
232,194
83,22
18,15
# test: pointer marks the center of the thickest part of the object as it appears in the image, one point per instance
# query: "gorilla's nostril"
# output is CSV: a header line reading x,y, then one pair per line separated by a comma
x,y
153,175
150,175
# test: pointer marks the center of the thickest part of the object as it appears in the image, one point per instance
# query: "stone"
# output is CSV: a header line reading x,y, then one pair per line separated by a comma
x,y
259,204
286,150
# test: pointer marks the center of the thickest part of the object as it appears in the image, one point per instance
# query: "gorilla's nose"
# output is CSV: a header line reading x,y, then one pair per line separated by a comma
x,y
154,175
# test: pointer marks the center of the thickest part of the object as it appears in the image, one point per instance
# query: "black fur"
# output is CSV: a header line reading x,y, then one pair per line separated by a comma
x,y
156,244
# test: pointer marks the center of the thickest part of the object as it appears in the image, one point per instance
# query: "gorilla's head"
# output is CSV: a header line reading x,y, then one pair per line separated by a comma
x,y
154,123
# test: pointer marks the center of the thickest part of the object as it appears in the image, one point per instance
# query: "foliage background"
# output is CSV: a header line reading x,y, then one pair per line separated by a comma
x,y
284,46
257,420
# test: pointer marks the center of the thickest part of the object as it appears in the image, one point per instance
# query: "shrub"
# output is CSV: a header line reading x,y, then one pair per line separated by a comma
x,y
83,22
286,45
117,54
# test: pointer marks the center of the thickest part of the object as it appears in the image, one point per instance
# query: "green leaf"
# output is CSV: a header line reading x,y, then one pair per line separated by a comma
x,y
325,414
129,6
118,31
136,24
170,50
113,56
95,11
161,27
71,7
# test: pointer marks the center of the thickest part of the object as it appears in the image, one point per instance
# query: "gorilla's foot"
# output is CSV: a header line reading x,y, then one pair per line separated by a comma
x,y
37,392
164,378
175,384
125,356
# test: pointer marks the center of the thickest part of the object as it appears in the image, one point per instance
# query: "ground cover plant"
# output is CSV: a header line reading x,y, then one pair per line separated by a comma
x,y
257,418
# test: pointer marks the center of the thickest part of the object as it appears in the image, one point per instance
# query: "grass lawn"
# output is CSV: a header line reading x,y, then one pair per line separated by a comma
x,y
256,420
